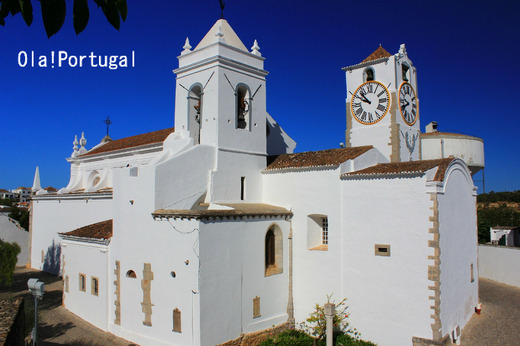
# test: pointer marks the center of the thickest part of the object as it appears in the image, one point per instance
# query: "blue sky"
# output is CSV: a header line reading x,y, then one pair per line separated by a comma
x,y
466,54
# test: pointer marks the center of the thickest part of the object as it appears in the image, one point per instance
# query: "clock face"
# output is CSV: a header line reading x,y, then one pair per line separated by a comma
x,y
408,103
370,102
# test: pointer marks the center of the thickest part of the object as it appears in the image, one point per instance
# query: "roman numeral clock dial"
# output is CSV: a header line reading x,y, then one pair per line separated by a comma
x,y
370,102
408,103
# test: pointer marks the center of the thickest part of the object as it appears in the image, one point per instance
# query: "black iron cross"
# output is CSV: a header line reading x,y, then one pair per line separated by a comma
x,y
108,123
222,5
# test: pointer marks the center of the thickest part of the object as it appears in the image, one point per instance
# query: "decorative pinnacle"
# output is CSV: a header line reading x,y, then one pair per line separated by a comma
x,y
75,143
83,140
256,49
187,46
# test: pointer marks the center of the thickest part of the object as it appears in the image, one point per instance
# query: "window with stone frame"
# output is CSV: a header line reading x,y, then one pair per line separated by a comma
x,y
94,286
82,282
273,251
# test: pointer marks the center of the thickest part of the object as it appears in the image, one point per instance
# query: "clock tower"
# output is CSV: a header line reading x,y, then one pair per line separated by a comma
x,y
382,105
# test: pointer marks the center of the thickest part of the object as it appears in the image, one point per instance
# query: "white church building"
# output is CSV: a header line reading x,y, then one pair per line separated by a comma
x,y
199,234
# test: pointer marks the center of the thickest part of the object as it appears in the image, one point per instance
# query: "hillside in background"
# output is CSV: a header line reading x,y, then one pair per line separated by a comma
x,y
497,209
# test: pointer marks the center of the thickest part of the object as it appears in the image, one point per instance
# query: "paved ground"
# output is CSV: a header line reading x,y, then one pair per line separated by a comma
x,y
499,321
58,326
498,324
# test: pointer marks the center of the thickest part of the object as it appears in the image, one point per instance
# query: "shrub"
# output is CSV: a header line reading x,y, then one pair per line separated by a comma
x,y
8,257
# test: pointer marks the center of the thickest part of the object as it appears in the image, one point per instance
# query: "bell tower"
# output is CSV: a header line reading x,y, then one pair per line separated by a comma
x,y
382,105
220,92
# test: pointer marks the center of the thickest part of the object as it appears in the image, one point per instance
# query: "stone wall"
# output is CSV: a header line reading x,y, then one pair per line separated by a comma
x,y
12,321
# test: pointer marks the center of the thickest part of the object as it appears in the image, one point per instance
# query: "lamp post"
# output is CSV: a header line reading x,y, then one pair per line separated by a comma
x,y
330,310
37,289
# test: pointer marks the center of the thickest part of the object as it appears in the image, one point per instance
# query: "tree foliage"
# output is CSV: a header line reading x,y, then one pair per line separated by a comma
x,y
8,257
506,196
497,216
316,323
54,12
20,215
6,201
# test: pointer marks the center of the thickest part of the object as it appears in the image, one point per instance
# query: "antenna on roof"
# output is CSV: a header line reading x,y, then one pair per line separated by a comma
x,y
107,122
222,5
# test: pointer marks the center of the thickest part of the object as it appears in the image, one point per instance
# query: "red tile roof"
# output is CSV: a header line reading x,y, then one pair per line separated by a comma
x,y
406,167
238,210
379,53
134,141
50,189
100,230
330,157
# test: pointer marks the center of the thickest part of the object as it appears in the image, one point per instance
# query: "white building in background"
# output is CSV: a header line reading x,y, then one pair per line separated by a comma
x,y
197,235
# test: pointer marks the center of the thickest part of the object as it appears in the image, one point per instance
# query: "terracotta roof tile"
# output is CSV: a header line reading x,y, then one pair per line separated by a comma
x,y
134,141
330,157
50,189
238,210
379,53
100,230
407,167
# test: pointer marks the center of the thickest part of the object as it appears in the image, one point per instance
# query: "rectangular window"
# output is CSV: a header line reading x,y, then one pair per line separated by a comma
x,y
242,188
472,275
325,231
94,286
177,321
382,250
82,282
256,307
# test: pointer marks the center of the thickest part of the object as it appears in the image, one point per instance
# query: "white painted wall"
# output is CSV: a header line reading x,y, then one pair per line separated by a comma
x,y
499,263
12,232
458,242
61,214
387,296
442,145
232,273
91,260
310,192
139,239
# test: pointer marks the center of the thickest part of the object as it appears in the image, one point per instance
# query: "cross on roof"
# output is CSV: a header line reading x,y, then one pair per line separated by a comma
x,y
107,122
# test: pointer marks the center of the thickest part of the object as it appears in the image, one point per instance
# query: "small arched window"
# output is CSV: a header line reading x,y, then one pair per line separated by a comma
x,y
243,107
195,112
405,71
273,251
369,74
131,274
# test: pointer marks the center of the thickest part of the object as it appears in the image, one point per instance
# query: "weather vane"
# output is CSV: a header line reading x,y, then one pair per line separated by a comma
x,y
222,5
107,122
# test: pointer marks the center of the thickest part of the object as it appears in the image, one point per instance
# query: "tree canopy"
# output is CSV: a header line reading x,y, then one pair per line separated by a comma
x,y
54,12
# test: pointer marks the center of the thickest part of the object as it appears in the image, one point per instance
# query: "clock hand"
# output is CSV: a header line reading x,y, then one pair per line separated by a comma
x,y
364,99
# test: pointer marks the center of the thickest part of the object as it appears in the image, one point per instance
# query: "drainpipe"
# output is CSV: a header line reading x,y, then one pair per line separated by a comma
x,y
290,305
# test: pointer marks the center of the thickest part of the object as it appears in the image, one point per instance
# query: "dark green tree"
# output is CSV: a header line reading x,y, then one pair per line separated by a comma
x,y
8,257
54,11
498,216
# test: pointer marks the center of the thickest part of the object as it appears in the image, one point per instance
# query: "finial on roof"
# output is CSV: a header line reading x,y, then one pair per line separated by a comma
x,y
222,5
36,183
82,143
256,49
187,47
75,146
402,49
